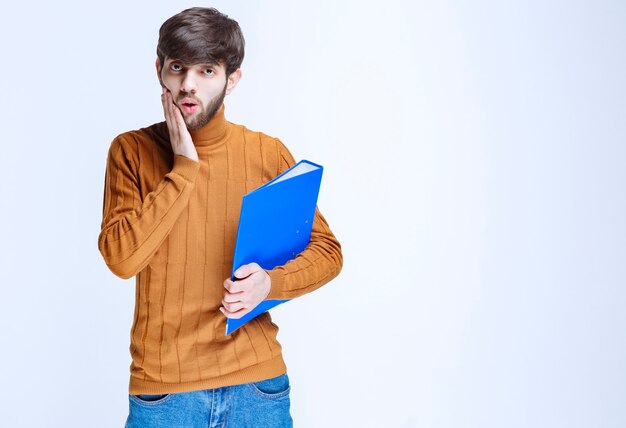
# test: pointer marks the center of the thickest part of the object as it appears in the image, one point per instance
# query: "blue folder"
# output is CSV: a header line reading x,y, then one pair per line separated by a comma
x,y
275,225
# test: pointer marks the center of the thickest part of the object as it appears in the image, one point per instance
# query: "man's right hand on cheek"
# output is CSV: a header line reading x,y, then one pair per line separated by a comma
x,y
180,138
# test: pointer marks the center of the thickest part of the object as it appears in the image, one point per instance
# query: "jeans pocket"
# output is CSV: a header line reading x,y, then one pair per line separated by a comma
x,y
150,399
274,388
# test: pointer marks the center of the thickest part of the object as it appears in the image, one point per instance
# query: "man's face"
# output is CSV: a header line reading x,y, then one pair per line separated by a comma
x,y
198,90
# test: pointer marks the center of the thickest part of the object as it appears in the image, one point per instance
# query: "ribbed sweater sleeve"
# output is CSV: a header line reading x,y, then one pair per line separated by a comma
x,y
133,227
317,264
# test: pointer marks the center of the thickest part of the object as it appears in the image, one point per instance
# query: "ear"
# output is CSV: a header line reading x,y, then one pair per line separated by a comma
x,y
232,80
158,70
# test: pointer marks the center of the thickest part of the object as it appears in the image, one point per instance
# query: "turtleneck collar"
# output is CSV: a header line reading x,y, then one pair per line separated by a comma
x,y
211,133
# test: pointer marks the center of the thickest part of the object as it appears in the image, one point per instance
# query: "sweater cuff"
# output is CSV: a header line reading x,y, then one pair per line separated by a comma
x,y
278,282
186,167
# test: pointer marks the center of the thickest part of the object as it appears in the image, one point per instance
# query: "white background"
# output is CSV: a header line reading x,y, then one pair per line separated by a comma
x,y
475,174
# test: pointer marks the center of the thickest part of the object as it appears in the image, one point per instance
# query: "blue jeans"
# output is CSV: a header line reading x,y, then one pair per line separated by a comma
x,y
251,405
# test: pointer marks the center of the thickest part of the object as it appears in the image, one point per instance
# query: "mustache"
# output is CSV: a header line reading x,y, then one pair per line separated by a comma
x,y
187,95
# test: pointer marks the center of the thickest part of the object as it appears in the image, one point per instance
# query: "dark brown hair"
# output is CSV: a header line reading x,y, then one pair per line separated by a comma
x,y
202,35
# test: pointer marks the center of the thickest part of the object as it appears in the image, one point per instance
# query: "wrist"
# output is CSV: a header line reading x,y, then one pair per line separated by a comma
x,y
184,149
276,283
267,284
186,167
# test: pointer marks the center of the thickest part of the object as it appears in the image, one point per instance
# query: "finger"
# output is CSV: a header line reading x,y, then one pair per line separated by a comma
x,y
173,109
167,110
234,315
247,270
164,104
230,286
233,307
238,286
232,298
178,123
178,116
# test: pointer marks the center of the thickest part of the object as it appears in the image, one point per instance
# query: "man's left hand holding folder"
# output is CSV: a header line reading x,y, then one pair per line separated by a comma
x,y
251,287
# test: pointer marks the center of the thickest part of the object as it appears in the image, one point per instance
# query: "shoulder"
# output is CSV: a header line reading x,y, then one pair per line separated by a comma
x,y
149,135
269,146
143,139
251,136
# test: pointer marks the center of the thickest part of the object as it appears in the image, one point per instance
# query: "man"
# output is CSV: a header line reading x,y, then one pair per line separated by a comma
x,y
171,207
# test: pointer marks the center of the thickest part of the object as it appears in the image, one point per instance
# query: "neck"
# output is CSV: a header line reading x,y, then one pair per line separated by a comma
x,y
211,133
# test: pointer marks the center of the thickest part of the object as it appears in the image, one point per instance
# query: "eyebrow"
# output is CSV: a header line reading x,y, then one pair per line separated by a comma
x,y
203,64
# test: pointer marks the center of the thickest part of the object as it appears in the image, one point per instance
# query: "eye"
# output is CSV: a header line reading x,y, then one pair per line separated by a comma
x,y
208,71
175,67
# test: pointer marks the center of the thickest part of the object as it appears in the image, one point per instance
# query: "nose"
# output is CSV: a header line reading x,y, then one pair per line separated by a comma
x,y
189,84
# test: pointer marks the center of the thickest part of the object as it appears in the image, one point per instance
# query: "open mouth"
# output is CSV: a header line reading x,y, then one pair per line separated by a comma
x,y
189,106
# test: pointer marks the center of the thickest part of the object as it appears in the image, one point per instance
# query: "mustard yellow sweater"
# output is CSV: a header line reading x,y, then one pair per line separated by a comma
x,y
172,222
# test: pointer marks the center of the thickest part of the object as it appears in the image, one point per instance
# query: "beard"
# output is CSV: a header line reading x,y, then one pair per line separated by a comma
x,y
206,114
